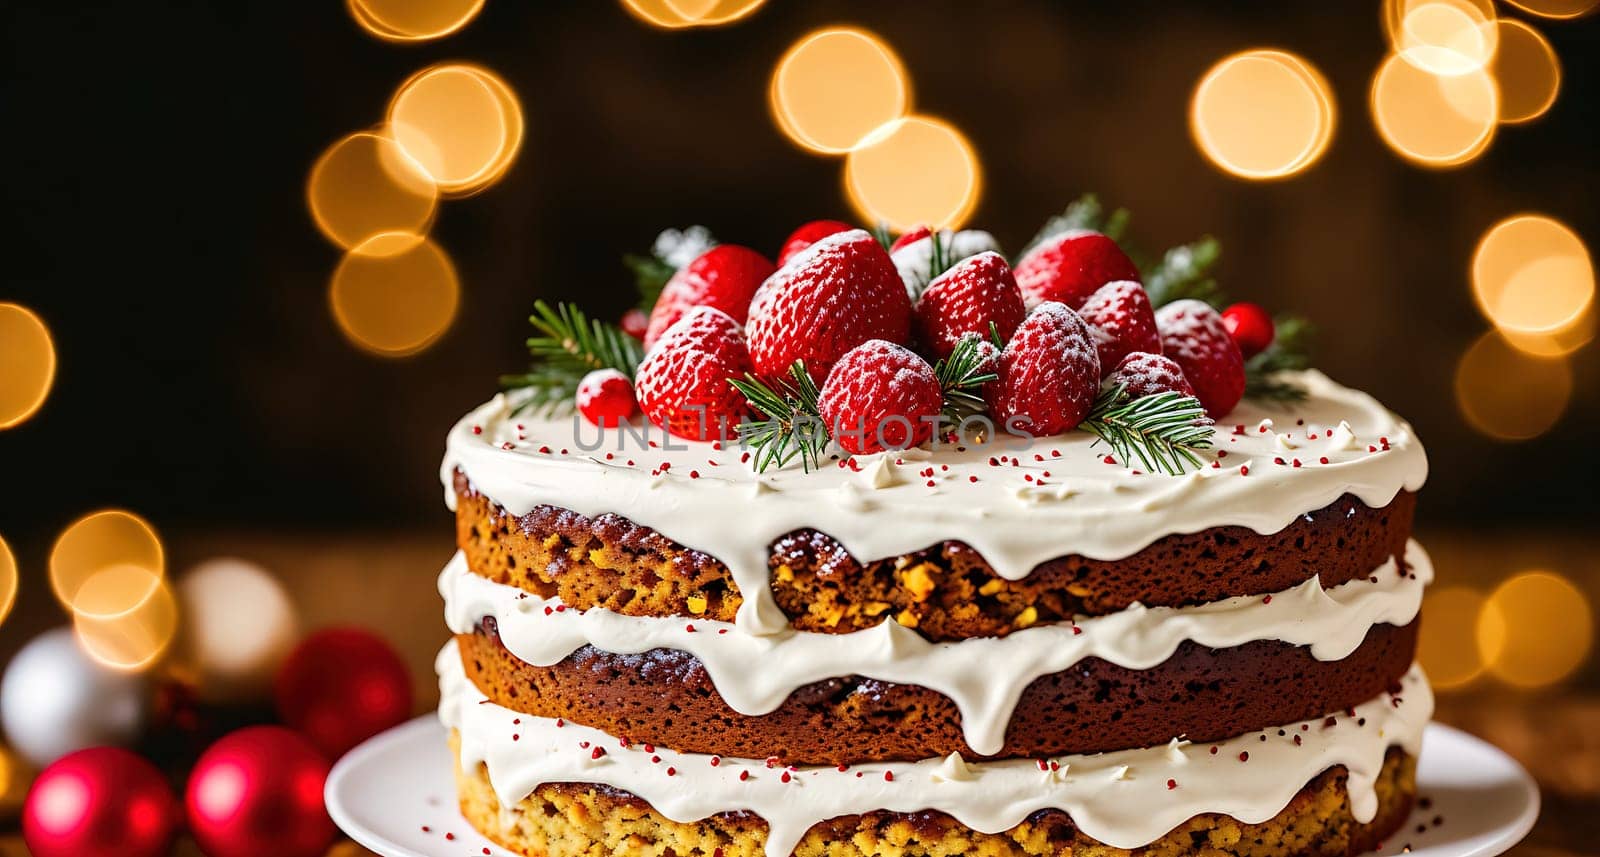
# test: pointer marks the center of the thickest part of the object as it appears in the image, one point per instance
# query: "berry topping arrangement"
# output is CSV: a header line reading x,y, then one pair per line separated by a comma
x,y
867,342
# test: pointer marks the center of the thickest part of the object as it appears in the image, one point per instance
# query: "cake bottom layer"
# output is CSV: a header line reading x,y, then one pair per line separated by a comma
x,y
588,820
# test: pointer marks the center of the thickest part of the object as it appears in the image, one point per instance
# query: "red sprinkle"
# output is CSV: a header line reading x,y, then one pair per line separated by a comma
x,y
1244,755
1171,784
689,628
1267,600
744,775
785,778
450,836
598,752
475,430
672,772
715,761
1244,470
888,776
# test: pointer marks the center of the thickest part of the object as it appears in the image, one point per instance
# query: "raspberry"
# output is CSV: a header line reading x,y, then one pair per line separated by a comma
x,y
1049,374
682,384
807,235
1193,335
833,296
881,396
1250,327
1069,267
974,293
605,398
1120,317
1143,374
724,277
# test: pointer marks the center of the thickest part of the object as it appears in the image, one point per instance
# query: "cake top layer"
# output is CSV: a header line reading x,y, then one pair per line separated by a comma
x,y
1018,500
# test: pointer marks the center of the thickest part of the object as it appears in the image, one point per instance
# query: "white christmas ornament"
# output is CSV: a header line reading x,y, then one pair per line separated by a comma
x,y
238,626
55,699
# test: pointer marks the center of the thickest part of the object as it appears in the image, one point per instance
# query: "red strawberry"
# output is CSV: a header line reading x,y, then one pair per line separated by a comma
x,y
911,236
635,323
1069,267
1193,335
724,277
1250,326
605,398
833,296
975,292
1049,374
809,234
881,396
1120,317
682,384
1143,374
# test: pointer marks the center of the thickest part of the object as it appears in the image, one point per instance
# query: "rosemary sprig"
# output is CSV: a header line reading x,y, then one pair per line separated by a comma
x,y
1163,431
1290,351
568,345
1185,272
961,378
793,425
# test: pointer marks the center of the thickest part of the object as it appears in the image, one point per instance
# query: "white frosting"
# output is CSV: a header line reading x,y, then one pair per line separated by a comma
x,y
708,500
985,676
1123,799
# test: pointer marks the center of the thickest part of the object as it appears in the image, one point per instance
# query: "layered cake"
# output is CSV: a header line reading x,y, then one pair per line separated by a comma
x,y
900,548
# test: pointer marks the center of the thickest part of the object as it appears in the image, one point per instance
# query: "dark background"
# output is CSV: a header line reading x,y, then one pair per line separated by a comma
x,y
157,156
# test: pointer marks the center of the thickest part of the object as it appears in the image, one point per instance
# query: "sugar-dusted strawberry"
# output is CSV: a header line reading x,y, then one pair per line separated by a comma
x,y
833,296
1122,321
1193,335
1070,266
976,292
1250,326
808,234
911,236
1049,374
880,396
913,253
605,398
1145,374
682,385
724,277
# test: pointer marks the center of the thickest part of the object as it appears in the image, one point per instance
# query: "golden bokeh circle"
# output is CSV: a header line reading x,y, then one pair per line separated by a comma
x,y
1535,629
1532,274
1442,37
1557,343
1527,70
710,13
29,356
366,184
395,294
1508,394
413,20
135,637
461,122
837,86
1559,9
1262,114
1447,640
918,170
1432,120
98,541
8,580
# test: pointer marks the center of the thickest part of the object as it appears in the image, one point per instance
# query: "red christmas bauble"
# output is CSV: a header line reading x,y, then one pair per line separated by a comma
x,y
258,793
1250,326
342,686
102,801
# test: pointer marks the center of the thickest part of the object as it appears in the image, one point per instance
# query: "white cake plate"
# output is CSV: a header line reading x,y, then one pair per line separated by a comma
x,y
395,795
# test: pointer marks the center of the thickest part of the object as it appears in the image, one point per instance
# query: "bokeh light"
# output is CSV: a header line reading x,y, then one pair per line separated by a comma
x,y
238,625
1527,70
366,184
413,20
1531,274
1558,343
835,87
395,294
1535,629
918,170
99,541
462,123
1434,121
677,14
1556,8
1508,394
1447,638
29,357
1262,114
1442,37
8,580
138,634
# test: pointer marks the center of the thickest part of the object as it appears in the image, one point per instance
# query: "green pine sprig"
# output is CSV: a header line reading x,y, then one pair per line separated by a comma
x,y
1162,431
1085,212
650,276
961,378
568,345
939,259
884,237
1185,272
1290,351
792,426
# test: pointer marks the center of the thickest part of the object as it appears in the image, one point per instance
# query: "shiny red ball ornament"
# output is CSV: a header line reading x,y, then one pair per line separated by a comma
x,y
1250,326
605,398
635,322
258,793
103,801
340,687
